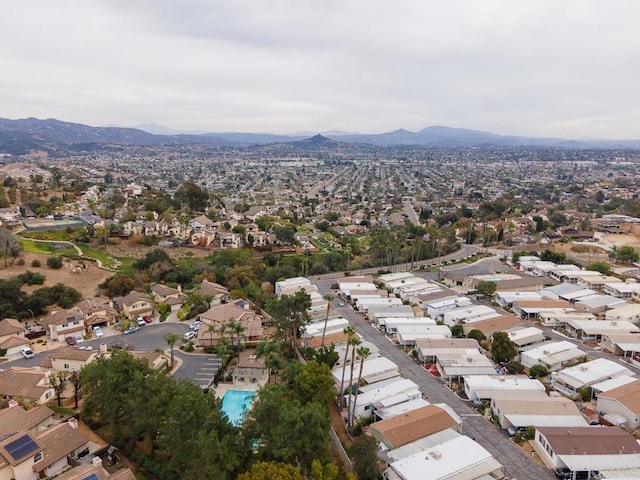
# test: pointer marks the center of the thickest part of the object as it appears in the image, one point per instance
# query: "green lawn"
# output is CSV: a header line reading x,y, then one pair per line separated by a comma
x,y
97,253
47,248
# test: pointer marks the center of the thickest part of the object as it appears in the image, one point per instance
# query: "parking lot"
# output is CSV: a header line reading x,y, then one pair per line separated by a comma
x,y
200,369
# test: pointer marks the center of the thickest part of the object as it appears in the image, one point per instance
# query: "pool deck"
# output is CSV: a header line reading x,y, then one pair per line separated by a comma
x,y
220,390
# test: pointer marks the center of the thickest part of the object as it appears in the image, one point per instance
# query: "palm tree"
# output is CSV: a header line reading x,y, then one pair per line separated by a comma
x,y
211,329
329,298
222,350
354,342
171,339
363,353
271,352
350,332
235,328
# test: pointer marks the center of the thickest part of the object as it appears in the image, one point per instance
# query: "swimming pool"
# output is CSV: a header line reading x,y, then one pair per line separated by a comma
x,y
235,404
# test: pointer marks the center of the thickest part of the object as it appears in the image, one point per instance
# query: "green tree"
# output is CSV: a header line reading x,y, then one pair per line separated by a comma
x,y
363,353
272,471
235,328
119,285
327,355
602,267
627,255
502,348
290,315
272,353
486,288
457,331
354,342
287,431
477,335
54,262
192,197
364,453
171,339
538,371
350,332
314,383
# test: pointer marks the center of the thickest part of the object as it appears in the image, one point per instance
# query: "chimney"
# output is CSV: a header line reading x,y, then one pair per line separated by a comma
x,y
96,462
13,403
73,423
103,348
111,303
179,288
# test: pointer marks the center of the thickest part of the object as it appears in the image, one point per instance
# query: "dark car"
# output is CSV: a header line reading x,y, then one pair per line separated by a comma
x,y
70,341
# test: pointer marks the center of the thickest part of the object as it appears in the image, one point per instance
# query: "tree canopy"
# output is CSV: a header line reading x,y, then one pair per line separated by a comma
x,y
502,348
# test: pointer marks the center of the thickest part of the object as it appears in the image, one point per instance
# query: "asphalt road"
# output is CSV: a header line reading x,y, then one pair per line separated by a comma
x,y
464,252
517,463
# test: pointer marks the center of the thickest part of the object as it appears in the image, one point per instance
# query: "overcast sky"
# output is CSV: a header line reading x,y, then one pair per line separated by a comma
x,y
540,68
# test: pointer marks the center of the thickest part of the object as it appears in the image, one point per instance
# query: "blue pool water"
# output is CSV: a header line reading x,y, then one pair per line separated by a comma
x,y
235,404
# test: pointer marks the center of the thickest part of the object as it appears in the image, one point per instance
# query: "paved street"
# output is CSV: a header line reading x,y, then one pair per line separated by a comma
x,y
518,464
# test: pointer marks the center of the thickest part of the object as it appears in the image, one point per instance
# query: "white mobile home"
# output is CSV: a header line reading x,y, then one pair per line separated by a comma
x,y
481,388
569,380
552,355
466,314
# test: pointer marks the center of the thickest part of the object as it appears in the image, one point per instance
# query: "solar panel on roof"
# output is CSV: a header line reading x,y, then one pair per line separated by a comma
x,y
21,447
93,476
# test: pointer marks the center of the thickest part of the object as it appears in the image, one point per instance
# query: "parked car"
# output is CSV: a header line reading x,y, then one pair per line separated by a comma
x,y
79,338
195,326
27,352
70,341
147,319
341,304
97,331
141,322
132,329
190,335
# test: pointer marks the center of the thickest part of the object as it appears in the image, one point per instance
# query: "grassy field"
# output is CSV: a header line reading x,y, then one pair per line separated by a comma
x,y
48,248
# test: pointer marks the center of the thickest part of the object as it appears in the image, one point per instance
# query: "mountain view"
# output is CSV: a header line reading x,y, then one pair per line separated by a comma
x,y
20,136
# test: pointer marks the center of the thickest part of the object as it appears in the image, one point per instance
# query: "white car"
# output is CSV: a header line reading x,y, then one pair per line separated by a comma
x,y
195,326
190,335
79,338
27,352
97,331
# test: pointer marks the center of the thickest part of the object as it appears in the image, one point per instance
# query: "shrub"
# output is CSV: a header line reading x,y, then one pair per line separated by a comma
x,y
36,263
21,262
54,262
538,371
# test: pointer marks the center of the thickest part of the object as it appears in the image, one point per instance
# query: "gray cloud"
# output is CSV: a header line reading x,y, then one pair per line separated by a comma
x,y
543,68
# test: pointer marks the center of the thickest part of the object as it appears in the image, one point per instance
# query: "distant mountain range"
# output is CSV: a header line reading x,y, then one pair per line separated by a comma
x,y
21,136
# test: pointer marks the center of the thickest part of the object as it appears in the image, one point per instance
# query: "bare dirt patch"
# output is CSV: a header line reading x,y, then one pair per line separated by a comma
x,y
86,282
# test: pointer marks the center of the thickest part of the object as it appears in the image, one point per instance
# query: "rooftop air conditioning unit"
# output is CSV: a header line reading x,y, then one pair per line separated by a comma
x,y
546,352
436,455
584,368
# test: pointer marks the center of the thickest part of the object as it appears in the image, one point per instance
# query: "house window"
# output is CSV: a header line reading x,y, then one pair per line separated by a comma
x,y
66,366
37,458
65,325
47,395
76,323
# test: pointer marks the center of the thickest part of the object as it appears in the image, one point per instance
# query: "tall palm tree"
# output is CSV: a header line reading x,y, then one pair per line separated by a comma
x,y
272,353
363,353
171,339
329,298
211,329
349,332
235,328
354,342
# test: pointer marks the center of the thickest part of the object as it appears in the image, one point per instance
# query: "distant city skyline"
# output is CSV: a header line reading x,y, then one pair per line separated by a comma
x,y
542,69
